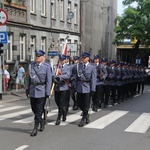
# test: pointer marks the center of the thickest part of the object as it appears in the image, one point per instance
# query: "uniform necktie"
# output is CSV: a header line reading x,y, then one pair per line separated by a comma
x,y
84,66
38,66
62,66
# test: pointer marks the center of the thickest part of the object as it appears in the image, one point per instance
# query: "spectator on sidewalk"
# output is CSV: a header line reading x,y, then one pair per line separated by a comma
x,y
6,77
20,77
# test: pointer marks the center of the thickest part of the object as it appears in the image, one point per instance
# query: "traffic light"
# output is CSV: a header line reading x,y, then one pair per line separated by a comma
x,y
1,45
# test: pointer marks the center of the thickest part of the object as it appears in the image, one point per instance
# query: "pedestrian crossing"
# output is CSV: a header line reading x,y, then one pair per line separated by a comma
x,y
24,115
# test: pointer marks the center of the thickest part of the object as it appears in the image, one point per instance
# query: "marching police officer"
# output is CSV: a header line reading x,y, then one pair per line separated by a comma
x,y
113,79
97,97
106,84
38,88
61,88
86,84
73,82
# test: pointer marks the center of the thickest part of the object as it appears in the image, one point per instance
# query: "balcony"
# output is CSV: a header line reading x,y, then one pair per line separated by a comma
x,y
16,3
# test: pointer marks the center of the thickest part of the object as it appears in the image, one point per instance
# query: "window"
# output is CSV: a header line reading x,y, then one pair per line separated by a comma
x,y
76,14
53,8
22,47
33,6
62,10
32,50
69,9
43,43
43,7
9,50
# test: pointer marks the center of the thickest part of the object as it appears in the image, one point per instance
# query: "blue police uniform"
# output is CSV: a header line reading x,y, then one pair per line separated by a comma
x,y
61,89
73,83
86,84
38,88
113,78
97,97
106,84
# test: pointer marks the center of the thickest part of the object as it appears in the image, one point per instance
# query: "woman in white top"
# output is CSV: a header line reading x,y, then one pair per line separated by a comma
x,y
6,76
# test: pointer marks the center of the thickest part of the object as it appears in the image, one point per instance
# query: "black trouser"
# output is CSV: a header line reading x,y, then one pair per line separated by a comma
x,y
119,93
37,106
106,94
97,97
83,100
60,99
113,92
67,100
73,95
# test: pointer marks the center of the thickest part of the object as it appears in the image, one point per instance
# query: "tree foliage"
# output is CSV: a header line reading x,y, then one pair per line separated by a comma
x,y
135,22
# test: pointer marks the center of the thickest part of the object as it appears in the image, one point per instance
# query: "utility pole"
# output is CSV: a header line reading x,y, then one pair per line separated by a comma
x,y
1,71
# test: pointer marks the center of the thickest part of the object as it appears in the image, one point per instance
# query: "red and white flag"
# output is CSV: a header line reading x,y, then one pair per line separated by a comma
x,y
64,51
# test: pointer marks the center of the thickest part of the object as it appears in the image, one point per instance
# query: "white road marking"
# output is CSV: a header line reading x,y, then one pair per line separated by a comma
x,y
31,119
71,118
7,116
11,108
106,120
141,124
137,95
1,105
22,147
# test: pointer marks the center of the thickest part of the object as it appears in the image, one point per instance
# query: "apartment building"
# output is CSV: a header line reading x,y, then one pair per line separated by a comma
x,y
45,24
97,27
41,24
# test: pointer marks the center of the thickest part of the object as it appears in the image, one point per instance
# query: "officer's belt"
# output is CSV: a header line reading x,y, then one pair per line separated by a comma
x,y
88,81
38,83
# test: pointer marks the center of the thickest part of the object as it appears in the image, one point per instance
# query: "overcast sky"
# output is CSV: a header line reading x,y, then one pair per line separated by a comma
x,y
121,7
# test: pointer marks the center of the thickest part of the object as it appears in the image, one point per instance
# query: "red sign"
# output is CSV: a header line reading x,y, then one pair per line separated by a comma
x,y
3,17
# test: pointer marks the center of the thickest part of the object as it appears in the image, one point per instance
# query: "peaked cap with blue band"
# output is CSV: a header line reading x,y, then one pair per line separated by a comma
x,y
85,54
76,57
96,57
104,59
62,57
112,61
67,57
39,52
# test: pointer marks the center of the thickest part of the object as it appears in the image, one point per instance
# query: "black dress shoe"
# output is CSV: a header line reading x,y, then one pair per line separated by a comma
x,y
99,106
35,129
87,119
64,118
34,132
42,125
95,109
81,124
57,121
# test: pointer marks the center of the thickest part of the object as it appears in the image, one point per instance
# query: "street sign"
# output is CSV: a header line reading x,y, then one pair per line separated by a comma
x,y
3,37
52,53
3,17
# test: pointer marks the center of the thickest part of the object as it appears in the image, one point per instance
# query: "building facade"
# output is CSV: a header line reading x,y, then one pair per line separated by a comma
x,y
97,27
45,24
40,24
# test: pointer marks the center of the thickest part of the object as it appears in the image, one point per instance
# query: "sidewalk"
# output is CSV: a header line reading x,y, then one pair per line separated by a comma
x,y
10,96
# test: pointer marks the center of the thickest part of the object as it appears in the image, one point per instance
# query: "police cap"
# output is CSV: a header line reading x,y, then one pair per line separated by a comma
x,y
104,59
85,54
39,52
96,57
62,57
75,57
112,61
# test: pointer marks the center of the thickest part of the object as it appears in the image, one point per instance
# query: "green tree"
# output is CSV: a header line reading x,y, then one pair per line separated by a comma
x,y
134,23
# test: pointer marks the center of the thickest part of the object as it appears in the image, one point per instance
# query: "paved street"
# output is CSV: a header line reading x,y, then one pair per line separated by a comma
x,y
120,127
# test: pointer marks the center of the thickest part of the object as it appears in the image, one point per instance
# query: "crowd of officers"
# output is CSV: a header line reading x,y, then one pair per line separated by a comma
x,y
98,82
95,83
